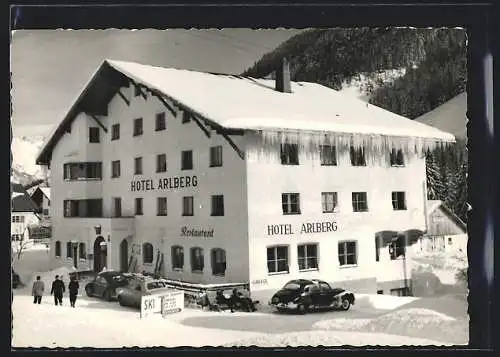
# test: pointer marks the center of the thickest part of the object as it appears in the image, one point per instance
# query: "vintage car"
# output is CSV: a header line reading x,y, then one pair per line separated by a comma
x,y
302,295
105,284
138,287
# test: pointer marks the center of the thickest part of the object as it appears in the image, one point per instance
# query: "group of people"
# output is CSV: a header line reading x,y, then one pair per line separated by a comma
x,y
58,289
237,300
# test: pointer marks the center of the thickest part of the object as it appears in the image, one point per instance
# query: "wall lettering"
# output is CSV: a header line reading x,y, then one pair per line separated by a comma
x,y
259,282
281,229
319,227
191,232
165,183
305,228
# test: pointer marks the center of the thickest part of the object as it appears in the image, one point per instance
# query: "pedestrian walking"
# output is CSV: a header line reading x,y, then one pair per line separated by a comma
x,y
73,287
37,291
57,290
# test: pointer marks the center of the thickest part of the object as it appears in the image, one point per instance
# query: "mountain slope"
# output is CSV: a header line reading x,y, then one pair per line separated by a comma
x,y
431,63
24,151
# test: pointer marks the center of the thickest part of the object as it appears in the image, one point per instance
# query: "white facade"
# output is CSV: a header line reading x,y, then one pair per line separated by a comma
x,y
241,244
19,224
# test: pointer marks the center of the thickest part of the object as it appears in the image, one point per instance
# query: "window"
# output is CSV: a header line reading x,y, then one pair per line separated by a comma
x,y
397,158
137,91
398,201
357,156
307,256
290,203
400,292
83,208
160,123
277,259
82,251
137,127
185,117
17,237
161,208
177,257
216,156
115,168
187,160
45,212
69,250
187,206
115,132
397,247
17,219
328,155
359,202
94,135
138,166
218,262
117,206
138,206
81,171
289,154
329,201
348,253
217,205
58,249
197,262
450,241
161,163
147,253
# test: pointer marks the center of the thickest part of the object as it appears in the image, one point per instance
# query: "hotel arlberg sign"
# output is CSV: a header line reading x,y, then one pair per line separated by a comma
x,y
305,228
165,183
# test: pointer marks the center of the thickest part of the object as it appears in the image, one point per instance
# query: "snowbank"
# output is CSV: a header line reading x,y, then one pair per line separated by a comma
x,y
332,338
382,302
413,322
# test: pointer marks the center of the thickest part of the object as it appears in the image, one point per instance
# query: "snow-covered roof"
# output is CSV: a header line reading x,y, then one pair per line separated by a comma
x,y
235,102
246,103
46,191
432,205
450,116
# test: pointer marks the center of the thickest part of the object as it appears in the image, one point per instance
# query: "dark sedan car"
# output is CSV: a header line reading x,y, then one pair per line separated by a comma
x,y
302,295
105,284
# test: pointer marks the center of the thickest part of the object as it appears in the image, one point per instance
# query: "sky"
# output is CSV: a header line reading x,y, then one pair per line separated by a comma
x,y
50,67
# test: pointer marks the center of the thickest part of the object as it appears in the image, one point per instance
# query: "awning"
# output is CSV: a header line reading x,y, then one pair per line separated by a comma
x,y
387,237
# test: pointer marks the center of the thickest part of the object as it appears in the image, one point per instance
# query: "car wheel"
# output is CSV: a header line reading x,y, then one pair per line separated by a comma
x,y
107,295
302,309
89,293
346,304
120,301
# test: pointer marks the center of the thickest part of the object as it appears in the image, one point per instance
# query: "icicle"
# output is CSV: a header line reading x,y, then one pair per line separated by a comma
x,y
264,144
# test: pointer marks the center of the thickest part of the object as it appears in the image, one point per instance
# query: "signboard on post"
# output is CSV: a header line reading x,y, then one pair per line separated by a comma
x,y
167,303
172,302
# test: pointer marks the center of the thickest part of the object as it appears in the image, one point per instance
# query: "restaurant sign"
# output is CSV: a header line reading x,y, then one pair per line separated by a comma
x,y
165,183
305,228
192,232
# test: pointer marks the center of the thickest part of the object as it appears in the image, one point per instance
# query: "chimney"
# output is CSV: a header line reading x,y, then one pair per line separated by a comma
x,y
283,77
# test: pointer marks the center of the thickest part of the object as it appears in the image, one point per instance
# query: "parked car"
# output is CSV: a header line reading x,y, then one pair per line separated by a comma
x,y
138,287
104,285
302,295
16,280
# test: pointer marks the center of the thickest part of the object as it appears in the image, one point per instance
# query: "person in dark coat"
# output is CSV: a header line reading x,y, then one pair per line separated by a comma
x,y
57,290
37,291
73,287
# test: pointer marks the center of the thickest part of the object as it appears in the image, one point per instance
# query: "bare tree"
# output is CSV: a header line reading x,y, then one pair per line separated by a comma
x,y
18,248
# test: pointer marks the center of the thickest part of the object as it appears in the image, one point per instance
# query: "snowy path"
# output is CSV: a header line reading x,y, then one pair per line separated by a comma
x,y
96,323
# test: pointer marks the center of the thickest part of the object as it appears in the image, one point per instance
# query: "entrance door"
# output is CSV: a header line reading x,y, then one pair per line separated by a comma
x,y
124,256
100,254
75,255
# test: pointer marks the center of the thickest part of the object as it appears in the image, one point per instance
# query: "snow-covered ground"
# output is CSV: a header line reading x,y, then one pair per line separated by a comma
x,y
375,320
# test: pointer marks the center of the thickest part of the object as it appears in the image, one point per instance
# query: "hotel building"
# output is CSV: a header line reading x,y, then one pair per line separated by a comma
x,y
213,178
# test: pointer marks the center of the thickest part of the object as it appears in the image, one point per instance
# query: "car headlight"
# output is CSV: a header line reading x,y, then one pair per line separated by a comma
x,y
275,300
